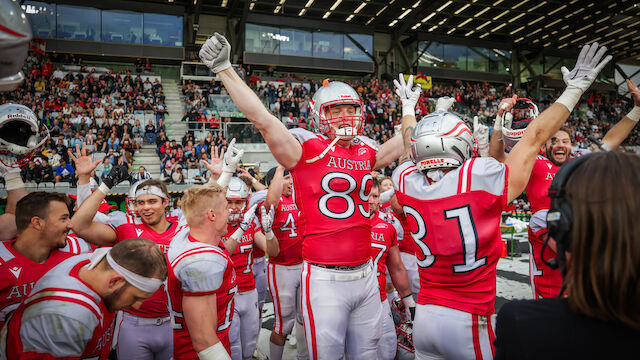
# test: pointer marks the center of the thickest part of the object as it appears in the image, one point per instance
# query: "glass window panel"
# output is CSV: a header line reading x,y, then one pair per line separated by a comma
x,y
42,17
122,27
160,29
352,52
433,56
455,57
296,42
327,44
78,23
262,39
478,59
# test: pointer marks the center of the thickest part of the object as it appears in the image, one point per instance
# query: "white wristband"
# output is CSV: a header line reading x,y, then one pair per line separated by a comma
x,y
570,97
408,110
13,181
104,188
237,234
408,301
634,114
215,352
225,178
269,235
497,124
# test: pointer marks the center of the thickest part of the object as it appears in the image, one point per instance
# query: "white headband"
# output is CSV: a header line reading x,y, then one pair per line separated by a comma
x,y
148,285
151,190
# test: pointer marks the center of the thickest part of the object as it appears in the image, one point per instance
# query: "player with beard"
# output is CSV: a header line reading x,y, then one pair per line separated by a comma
x,y
244,232
43,221
386,255
69,314
546,281
331,171
146,331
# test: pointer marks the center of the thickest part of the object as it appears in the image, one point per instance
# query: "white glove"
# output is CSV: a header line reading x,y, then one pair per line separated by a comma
x,y
444,103
386,196
230,162
409,95
266,220
247,219
583,74
215,53
12,177
481,134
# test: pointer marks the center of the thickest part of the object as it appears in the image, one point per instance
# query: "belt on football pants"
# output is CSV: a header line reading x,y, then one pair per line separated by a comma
x,y
150,321
341,273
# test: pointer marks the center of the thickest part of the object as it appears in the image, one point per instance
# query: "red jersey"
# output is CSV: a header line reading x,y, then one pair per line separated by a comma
x,y
18,275
332,193
156,305
537,189
455,223
76,245
383,237
198,269
241,256
545,281
285,229
407,245
386,207
62,318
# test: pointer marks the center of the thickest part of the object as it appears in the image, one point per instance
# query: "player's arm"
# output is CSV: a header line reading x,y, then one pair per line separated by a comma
x,y
286,149
15,192
267,241
398,273
496,145
616,135
275,188
521,159
201,317
389,152
255,184
409,96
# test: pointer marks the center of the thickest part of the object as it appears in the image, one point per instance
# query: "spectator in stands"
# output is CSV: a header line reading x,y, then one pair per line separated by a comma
x,y
142,174
178,175
54,158
137,142
64,172
31,172
202,147
113,142
46,172
104,167
150,132
161,128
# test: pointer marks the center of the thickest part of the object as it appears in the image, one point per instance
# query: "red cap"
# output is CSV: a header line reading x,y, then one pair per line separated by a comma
x,y
104,205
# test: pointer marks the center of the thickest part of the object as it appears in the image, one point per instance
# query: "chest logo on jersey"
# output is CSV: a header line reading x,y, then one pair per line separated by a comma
x,y
377,236
288,207
16,271
138,232
340,163
549,165
20,291
550,176
362,151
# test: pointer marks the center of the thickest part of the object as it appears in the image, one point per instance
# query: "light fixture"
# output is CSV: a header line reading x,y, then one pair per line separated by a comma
x,y
393,23
335,5
428,17
482,11
516,30
404,14
557,9
462,9
444,6
326,15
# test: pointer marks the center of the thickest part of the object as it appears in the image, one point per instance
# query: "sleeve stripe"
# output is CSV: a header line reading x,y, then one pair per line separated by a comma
x,y
65,295
403,174
195,251
5,253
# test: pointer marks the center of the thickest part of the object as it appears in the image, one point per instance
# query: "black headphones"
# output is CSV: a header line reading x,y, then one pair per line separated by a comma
x,y
560,216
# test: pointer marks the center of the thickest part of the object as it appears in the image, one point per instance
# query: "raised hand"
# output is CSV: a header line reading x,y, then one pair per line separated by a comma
x,y
214,165
634,91
444,103
266,220
232,157
481,134
216,53
84,164
118,174
248,218
409,94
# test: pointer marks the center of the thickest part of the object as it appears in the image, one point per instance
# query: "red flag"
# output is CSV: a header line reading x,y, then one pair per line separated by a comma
x,y
38,45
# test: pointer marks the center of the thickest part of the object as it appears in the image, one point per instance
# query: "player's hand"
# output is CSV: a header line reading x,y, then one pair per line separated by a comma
x,y
408,93
266,220
481,134
634,91
231,157
587,68
506,105
214,165
216,53
244,174
386,195
444,103
118,174
83,162
247,219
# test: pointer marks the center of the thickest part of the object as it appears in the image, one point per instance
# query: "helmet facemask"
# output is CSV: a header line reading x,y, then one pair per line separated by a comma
x,y
346,127
18,135
235,216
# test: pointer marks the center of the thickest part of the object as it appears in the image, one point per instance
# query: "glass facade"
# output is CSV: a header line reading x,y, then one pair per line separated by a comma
x,y
92,24
122,27
461,57
287,41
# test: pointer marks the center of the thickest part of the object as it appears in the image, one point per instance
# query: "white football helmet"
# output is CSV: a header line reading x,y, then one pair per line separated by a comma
x,y
15,35
237,190
130,200
515,122
19,135
441,140
332,94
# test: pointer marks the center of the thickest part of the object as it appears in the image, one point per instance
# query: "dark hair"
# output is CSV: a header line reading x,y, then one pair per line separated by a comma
x,y
375,182
37,204
141,256
603,270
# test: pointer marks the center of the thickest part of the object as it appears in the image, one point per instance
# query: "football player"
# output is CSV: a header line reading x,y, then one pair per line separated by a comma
x,y
70,312
454,202
16,35
332,171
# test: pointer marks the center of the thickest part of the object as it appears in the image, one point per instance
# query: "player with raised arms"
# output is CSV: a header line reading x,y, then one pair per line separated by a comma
x,y
332,171
453,203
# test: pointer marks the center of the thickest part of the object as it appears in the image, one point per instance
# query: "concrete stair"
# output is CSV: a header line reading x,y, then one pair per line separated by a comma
x,y
148,158
175,106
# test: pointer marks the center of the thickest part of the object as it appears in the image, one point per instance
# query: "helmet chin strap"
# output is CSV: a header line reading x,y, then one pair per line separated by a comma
x,y
325,151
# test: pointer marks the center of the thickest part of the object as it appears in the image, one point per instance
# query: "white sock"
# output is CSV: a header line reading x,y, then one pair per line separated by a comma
x,y
301,342
275,351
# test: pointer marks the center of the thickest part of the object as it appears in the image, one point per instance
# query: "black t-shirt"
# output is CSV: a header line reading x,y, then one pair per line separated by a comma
x,y
548,329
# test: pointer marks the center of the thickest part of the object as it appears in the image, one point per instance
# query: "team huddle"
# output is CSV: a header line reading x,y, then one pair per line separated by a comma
x,y
356,266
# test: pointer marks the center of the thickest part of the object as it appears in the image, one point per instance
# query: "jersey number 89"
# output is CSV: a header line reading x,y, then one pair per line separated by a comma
x,y
346,195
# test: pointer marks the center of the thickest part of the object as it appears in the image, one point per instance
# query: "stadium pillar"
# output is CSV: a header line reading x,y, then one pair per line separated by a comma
x,y
515,69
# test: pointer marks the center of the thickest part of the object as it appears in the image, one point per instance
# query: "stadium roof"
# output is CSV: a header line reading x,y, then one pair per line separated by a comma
x,y
529,24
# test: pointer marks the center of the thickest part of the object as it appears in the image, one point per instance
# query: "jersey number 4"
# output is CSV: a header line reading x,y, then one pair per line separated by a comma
x,y
468,236
289,225
344,194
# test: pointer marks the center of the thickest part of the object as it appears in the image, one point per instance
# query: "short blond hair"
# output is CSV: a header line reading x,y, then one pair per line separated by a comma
x,y
197,200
